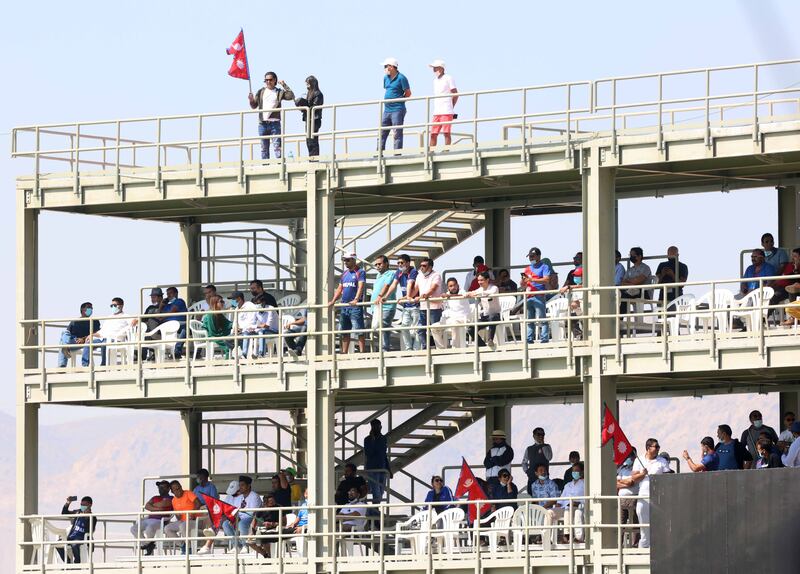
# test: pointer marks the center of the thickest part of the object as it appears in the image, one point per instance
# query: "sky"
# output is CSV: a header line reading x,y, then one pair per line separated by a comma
x,y
98,60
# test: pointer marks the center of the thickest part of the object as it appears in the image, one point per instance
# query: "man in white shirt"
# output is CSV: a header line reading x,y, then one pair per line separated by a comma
x,y
443,112
643,469
455,312
489,305
245,497
786,435
266,322
429,285
111,331
246,321
562,509
792,456
269,122
354,512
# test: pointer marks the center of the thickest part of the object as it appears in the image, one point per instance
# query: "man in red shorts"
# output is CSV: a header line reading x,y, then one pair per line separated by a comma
x,y
444,86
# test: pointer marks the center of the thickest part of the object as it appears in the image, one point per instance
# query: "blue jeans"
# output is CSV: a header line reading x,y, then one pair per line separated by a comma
x,y
270,129
351,318
436,316
66,339
242,524
85,357
377,485
262,342
536,308
296,343
409,317
387,315
393,119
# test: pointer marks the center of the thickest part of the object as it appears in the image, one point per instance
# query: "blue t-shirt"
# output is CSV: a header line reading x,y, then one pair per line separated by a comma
x,y
727,456
178,305
711,461
302,513
402,280
349,283
541,271
208,489
767,270
395,88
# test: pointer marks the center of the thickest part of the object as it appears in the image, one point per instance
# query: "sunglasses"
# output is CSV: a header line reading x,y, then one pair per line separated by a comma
x,y
269,79
437,480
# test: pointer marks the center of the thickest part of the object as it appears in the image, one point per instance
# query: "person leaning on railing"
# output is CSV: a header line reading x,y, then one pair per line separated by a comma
x,y
439,492
81,527
405,278
536,277
489,306
351,288
429,284
381,289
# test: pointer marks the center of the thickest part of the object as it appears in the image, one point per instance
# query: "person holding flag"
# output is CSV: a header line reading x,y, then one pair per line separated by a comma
x,y
268,99
642,471
217,512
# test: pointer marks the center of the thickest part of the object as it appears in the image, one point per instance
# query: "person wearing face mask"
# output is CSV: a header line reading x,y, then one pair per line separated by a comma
x,y
76,333
538,453
751,434
775,256
269,122
246,322
113,330
266,323
643,469
381,288
572,510
542,486
396,86
536,278
455,314
406,278
444,88
257,288
769,456
218,325
504,490
313,99
81,527
626,486
429,285
575,279
710,460
177,306
637,274
732,453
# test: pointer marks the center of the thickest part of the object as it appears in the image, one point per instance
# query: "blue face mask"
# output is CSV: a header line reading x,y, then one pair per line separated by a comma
x,y
576,475
577,280
234,303
114,308
88,311
84,508
542,476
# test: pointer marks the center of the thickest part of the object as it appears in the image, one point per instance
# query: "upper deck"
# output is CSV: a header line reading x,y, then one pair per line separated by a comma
x,y
693,130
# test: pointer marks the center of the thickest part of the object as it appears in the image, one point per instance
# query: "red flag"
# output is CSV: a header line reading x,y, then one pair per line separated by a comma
x,y
217,509
467,484
612,431
239,67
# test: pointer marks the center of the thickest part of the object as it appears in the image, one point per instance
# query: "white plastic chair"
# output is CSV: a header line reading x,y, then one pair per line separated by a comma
x,y
558,311
49,549
531,517
450,520
506,327
290,300
723,301
169,339
501,524
415,530
198,331
683,307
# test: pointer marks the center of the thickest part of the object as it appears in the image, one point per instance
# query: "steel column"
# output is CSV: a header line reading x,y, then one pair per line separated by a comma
x,y
191,443
498,418
497,238
191,263
788,238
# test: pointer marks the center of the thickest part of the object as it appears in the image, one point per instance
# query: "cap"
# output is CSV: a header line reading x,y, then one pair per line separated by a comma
x,y
350,255
437,63
390,62
498,434
233,486
236,295
160,482
795,427
245,479
290,470
156,291
532,250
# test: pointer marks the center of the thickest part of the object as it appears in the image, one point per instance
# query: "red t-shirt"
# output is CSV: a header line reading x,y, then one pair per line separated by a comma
x,y
159,499
788,269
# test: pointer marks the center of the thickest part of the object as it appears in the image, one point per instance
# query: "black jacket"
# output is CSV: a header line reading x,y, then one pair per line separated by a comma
x,y
317,99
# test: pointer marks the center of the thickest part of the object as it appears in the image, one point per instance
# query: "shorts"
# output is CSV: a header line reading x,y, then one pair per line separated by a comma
x,y
351,318
440,126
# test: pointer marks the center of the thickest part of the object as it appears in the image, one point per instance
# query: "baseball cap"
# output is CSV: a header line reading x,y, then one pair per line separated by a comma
x,y
437,63
350,255
160,482
156,291
236,295
233,486
290,470
390,62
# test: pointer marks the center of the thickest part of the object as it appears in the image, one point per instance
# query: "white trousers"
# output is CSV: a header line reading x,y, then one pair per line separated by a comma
x,y
643,512
148,529
456,330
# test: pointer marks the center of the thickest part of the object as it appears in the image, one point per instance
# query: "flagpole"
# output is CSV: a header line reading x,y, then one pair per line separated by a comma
x,y
247,62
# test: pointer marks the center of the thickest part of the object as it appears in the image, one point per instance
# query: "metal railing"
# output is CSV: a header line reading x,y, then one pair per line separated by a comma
x,y
569,113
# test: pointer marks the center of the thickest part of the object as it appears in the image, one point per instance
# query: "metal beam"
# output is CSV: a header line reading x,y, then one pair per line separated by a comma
x,y
191,443
191,260
497,238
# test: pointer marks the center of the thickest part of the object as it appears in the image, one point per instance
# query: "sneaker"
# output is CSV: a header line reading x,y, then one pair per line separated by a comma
x,y
291,352
209,533
149,549
204,550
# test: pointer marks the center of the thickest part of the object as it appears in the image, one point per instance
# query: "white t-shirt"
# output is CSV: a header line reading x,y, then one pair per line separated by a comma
x,y
268,316
355,509
252,500
432,285
442,86
655,466
246,318
572,488
269,101
489,305
458,308
786,436
626,472
115,328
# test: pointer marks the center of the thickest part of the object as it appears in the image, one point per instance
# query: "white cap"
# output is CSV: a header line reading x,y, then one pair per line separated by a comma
x,y
351,255
232,487
390,62
437,63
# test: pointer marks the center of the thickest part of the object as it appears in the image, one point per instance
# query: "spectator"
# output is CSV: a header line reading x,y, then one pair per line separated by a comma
x,y
489,306
245,497
297,491
150,525
787,288
265,522
354,512
792,456
637,274
575,279
376,460
443,106
208,292
218,325
774,256
505,283
81,527
381,289
627,487
478,266
573,458
396,86
174,304
268,99
350,480
351,289
296,344
405,277
786,435
505,489
643,469
313,99
114,330
536,278
76,333
439,492
156,304
302,514
429,285
538,453
281,489
246,321
266,322
768,455
204,486
257,288
751,433
182,500
666,273
571,509
732,453
498,458
455,312
759,268
619,268
543,487
710,459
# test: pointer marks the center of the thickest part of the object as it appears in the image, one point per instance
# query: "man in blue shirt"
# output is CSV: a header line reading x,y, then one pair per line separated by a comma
x,y
351,289
174,304
536,278
396,86
406,278
380,288
732,454
204,486
759,268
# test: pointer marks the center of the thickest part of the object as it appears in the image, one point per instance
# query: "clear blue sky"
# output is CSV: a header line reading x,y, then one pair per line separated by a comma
x,y
100,60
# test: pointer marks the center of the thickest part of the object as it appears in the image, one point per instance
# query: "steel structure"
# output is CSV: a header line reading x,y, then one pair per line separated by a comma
x,y
578,146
